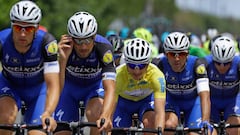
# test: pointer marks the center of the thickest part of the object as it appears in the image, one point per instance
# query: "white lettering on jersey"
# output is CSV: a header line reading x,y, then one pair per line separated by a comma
x,y
117,121
59,114
5,89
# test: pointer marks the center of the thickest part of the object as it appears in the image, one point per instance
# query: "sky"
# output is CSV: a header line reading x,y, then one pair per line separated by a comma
x,y
220,8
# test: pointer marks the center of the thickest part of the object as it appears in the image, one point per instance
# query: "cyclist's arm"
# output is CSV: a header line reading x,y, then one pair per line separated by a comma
x,y
203,88
105,52
159,105
109,98
205,105
51,73
159,84
109,105
65,46
53,91
51,77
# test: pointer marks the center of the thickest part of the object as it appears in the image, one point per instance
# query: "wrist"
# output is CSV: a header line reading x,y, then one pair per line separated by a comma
x,y
46,113
206,123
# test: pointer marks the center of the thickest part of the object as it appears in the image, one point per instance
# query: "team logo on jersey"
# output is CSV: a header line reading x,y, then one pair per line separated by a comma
x,y
108,57
52,48
201,69
15,60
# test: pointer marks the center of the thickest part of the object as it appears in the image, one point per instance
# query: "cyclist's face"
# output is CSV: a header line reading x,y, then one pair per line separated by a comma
x,y
83,47
222,67
177,60
23,33
137,71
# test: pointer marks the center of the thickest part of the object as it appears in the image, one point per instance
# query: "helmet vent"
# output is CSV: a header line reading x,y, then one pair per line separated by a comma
x,y
137,52
81,27
181,40
31,11
229,51
89,22
24,10
171,40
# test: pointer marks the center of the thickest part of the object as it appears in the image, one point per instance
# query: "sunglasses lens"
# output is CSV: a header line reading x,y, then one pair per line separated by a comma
x,y
86,41
224,64
180,54
136,66
30,29
19,28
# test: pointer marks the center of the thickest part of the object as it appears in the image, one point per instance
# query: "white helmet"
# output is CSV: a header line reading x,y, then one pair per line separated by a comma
x,y
176,41
212,32
223,49
137,51
117,42
82,25
26,11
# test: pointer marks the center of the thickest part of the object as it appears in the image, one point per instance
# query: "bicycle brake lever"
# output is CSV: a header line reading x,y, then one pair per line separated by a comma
x,y
47,122
101,124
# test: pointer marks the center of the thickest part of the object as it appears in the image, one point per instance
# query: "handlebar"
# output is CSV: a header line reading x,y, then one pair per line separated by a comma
x,y
80,124
187,130
20,127
135,130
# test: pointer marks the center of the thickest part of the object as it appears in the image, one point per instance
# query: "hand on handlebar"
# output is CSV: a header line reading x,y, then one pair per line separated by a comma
x,y
209,126
48,123
104,125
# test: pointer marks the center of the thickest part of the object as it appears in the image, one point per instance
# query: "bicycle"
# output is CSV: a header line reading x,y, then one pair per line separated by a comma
x,y
222,125
77,127
20,129
182,130
75,130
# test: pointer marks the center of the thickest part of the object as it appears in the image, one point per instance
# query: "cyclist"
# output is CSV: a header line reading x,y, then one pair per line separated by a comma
x,y
194,39
124,32
223,72
194,48
211,33
87,72
30,69
146,35
118,45
140,88
186,83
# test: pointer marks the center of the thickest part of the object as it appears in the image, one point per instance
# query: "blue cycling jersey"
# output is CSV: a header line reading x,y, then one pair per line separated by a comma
x,y
182,94
22,77
84,78
88,70
182,84
224,85
224,89
26,69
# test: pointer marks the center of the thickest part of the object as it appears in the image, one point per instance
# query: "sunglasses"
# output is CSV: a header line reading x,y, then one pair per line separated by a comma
x,y
117,56
136,66
23,28
222,64
177,54
86,41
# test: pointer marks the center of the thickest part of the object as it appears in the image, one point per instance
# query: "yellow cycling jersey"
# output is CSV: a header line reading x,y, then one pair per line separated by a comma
x,y
153,81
